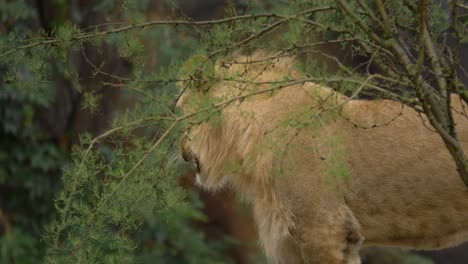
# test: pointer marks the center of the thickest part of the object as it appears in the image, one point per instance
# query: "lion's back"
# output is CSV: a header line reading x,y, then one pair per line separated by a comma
x,y
404,186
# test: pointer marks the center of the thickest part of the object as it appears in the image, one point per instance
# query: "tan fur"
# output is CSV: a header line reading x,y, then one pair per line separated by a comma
x,y
399,187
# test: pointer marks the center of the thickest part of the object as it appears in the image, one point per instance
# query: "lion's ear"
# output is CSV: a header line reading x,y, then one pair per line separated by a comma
x,y
200,70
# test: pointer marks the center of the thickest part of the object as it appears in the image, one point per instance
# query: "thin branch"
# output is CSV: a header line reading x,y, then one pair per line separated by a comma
x,y
346,9
85,36
248,39
140,161
462,6
369,12
269,28
434,58
387,27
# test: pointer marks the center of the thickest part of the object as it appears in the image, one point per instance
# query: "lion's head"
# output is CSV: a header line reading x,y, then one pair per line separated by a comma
x,y
206,152
224,128
196,146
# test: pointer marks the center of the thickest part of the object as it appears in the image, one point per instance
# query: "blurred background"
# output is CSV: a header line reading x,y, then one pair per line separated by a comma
x,y
38,131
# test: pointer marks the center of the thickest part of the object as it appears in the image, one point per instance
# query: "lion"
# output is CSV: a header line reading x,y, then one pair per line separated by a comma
x,y
326,174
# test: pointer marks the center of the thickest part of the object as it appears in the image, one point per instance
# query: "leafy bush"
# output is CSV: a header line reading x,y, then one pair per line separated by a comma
x,y
119,198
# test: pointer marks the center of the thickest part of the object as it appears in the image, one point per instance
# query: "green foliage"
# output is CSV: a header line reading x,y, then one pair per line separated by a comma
x,y
30,162
20,247
120,201
336,167
294,33
29,168
119,198
119,204
15,9
133,10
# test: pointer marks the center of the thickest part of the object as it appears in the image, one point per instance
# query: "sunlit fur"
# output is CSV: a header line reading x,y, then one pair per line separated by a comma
x,y
400,187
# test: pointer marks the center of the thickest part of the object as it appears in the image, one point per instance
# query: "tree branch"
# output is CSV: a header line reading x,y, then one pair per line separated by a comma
x,y
85,36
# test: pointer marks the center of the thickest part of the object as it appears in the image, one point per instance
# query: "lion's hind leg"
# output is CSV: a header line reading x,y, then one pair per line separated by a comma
x,y
335,240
